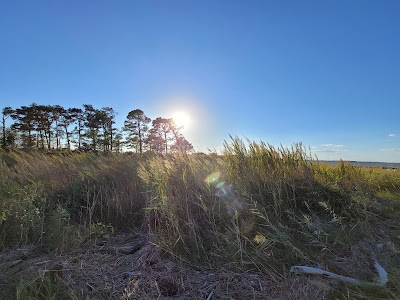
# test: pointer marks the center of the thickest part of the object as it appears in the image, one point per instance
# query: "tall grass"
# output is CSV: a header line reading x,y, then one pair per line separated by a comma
x,y
38,190
384,181
254,207
183,211
196,201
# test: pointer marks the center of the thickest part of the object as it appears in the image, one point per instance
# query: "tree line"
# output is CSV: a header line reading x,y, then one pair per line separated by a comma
x,y
89,129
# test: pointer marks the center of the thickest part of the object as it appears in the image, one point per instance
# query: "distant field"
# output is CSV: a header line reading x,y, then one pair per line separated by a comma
x,y
366,164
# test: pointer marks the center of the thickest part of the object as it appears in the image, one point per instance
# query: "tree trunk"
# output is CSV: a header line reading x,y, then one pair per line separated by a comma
x,y
67,135
79,135
29,139
4,132
140,140
165,139
111,138
57,141
41,139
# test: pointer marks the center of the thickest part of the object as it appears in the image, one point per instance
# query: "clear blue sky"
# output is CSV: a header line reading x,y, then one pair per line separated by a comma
x,y
326,73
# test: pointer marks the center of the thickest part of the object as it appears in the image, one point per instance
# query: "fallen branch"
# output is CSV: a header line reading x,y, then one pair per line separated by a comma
x,y
383,278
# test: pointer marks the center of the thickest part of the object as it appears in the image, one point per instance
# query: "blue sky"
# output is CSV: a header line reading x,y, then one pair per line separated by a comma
x,y
326,73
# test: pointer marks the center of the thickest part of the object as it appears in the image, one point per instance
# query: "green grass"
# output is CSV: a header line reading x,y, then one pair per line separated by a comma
x,y
256,207
45,287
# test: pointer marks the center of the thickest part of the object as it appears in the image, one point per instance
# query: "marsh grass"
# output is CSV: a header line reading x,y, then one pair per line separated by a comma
x,y
254,208
274,204
42,193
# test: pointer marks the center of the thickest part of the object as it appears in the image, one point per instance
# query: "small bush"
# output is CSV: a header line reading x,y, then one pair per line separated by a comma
x,y
56,227
22,214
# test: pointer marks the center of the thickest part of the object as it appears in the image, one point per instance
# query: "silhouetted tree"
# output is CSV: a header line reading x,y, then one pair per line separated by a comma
x,y
118,141
155,142
67,118
136,127
78,116
166,135
106,119
162,133
93,129
182,145
43,120
56,114
91,125
24,122
11,138
6,113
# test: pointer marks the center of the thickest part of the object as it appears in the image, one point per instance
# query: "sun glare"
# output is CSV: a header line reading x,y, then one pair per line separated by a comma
x,y
181,118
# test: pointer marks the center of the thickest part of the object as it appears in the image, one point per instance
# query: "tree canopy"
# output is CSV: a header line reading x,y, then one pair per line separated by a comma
x,y
88,128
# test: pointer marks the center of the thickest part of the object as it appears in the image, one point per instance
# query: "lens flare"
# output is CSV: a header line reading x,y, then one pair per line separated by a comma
x,y
213,177
224,192
220,185
221,189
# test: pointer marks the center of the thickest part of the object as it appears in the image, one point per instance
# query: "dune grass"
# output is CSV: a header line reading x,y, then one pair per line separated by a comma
x,y
41,193
254,208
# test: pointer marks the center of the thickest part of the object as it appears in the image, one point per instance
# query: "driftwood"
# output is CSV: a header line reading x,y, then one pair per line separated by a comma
x,y
125,249
383,277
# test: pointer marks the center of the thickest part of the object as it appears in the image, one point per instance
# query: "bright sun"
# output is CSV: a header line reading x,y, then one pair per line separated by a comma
x,y
181,118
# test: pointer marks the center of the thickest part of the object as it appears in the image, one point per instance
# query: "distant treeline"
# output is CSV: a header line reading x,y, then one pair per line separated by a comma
x,y
383,165
89,129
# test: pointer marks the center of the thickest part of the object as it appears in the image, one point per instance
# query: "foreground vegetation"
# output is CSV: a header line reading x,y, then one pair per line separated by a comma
x,y
253,209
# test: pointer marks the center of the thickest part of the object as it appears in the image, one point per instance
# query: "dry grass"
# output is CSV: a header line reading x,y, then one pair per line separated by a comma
x,y
84,188
216,227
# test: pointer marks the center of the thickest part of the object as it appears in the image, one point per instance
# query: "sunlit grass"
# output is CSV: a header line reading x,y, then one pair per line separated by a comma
x,y
256,207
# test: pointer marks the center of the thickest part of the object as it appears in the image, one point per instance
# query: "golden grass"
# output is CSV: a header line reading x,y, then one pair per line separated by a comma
x,y
254,208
